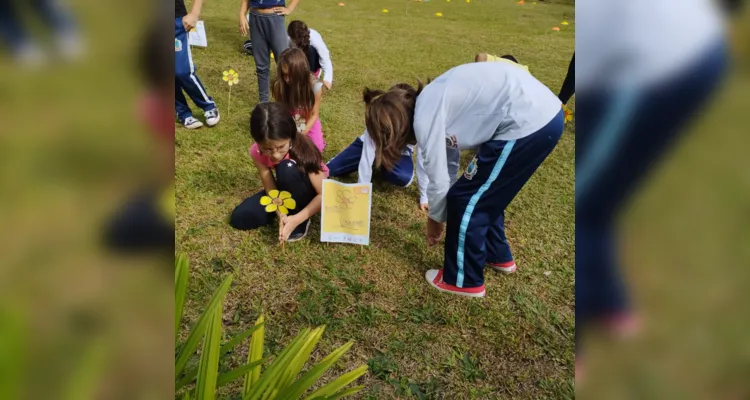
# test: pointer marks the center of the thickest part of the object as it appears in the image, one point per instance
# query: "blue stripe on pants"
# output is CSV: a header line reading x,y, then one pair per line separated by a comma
x,y
476,205
470,209
185,78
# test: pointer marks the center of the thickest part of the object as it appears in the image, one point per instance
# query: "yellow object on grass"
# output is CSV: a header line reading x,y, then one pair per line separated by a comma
x,y
281,201
439,14
231,77
568,114
492,58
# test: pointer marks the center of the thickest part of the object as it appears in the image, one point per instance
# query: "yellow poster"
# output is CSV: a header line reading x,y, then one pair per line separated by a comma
x,y
345,213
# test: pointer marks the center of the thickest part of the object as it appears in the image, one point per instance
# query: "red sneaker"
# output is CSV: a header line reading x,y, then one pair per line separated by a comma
x,y
506,267
435,278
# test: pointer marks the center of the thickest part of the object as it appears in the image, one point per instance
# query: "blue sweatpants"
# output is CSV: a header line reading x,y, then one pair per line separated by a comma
x,y
347,162
185,78
619,137
475,232
14,31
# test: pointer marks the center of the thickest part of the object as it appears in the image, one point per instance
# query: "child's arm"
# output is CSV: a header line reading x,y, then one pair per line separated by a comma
x,y
310,121
244,23
290,223
266,177
189,21
366,159
326,65
422,181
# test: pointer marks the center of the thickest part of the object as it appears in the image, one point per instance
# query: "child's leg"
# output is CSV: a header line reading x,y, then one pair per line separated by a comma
x,y
184,70
498,250
181,106
347,161
250,214
569,84
475,201
402,173
267,33
289,178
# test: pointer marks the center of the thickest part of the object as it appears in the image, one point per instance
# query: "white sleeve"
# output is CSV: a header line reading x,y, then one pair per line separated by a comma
x,y
430,127
422,178
317,42
367,158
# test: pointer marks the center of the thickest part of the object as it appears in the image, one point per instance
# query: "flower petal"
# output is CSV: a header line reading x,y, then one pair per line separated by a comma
x,y
225,79
225,73
273,193
265,200
285,195
271,208
231,72
283,210
290,204
236,81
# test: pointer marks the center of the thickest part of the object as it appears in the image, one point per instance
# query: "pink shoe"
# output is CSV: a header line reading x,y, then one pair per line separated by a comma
x,y
435,278
506,267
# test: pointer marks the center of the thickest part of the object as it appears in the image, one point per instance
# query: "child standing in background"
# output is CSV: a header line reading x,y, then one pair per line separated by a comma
x,y
297,89
513,120
312,44
267,33
299,171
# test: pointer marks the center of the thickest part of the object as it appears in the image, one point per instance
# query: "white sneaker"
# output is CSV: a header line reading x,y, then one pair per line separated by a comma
x,y
212,117
192,123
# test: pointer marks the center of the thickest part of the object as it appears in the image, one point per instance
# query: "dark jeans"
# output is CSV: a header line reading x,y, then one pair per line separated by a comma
x,y
250,214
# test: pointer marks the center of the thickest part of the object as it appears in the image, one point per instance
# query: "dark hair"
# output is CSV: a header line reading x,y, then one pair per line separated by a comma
x,y
389,117
509,57
300,34
272,121
298,93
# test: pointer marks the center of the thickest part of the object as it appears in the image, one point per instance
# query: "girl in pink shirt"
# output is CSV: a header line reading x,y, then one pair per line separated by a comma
x,y
301,92
291,170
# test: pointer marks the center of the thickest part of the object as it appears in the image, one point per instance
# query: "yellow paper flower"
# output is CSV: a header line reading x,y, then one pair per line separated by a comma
x,y
281,201
439,14
568,114
231,77
564,23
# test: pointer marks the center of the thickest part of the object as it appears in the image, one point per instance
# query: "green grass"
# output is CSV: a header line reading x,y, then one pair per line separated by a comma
x,y
518,341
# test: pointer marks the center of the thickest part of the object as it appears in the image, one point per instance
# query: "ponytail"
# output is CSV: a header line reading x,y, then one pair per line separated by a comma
x,y
307,156
300,35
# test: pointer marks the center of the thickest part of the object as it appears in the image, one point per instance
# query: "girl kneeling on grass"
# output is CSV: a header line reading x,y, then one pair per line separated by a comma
x,y
301,92
295,193
513,121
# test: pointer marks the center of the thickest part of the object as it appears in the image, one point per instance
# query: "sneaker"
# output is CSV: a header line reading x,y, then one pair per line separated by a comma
x,y
435,278
300,232
506,267
212,117
192,123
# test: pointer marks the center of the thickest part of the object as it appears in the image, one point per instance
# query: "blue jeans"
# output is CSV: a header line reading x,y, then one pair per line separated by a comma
x,y
185,78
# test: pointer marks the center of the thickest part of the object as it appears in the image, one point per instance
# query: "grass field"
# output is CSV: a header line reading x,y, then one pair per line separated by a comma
x,y
515,343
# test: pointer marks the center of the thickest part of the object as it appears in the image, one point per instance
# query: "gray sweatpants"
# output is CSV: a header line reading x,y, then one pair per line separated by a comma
x,y
268,33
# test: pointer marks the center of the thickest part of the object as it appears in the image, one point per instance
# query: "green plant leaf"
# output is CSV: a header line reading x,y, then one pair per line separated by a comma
x,y
236,373
208,371
181,275
304,354
190,375
255,353
227,347
191,344
345,393
277,367
186,396
296,389
339,383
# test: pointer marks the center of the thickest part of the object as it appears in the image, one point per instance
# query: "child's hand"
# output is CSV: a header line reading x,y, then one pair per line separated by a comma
x,y
282,11
287,225
424,207
244,25
327,85
434,231
189,21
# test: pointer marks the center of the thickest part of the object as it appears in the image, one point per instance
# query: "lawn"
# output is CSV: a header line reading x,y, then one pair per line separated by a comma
x,y
515,343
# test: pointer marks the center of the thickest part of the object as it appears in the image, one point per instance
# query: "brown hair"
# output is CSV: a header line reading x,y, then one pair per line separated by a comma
x,y
389,117
273,121
300,34
298,93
